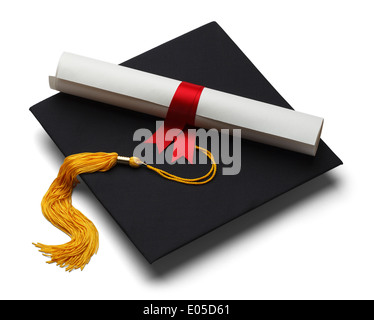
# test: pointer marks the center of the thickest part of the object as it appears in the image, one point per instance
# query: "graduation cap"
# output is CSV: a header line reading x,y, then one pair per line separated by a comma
x,y
165,215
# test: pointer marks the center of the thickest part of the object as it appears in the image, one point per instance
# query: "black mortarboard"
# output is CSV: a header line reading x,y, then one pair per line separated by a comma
x,y
160,216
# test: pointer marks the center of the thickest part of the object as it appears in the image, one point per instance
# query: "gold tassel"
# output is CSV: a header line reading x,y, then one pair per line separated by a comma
x,y
57,205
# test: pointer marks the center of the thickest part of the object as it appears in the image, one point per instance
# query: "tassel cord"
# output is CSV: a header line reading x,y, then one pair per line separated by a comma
x,y
196,181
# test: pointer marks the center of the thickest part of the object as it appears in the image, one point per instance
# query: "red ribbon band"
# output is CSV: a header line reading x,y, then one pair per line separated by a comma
x,y
181,114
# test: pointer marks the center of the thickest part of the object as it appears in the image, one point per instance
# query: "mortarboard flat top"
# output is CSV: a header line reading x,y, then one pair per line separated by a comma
x,y
158,215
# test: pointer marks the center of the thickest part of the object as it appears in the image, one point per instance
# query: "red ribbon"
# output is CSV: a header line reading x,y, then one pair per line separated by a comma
x,y
181,114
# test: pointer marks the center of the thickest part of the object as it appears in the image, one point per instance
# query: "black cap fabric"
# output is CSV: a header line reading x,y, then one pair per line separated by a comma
x,y
158,215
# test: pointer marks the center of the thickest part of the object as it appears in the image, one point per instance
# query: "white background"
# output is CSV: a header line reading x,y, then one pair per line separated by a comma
x,y
315,242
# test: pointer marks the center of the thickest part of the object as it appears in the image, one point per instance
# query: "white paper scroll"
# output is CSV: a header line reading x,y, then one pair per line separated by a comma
x,y
152,94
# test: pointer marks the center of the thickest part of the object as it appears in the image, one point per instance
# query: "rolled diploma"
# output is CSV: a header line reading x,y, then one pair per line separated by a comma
x,y
151,94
